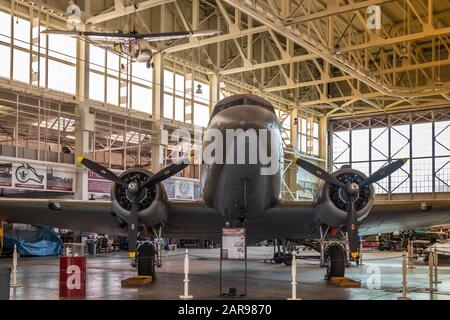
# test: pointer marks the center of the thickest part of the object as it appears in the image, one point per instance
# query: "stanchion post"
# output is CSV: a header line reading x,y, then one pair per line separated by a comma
x,y
435,264
15,256
294,278
361,252
411,254
430,271
186,278
404,283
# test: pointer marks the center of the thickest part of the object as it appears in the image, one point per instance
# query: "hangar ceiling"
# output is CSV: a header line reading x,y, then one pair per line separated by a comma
x,y
315,56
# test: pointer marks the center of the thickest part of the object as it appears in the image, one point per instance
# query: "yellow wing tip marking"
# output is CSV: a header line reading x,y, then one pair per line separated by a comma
x,y
132,254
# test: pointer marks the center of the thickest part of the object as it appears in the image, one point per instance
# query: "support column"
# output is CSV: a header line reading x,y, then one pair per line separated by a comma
x,y
323,139
86,122
157,111
214,87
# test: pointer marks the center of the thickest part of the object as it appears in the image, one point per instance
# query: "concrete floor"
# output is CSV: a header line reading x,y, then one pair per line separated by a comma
x,y
38,278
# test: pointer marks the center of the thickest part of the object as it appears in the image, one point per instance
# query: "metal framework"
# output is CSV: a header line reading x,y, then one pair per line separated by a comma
x,y
422,137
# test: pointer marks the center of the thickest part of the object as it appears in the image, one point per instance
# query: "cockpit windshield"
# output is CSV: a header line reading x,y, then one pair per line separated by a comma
x,y
242,100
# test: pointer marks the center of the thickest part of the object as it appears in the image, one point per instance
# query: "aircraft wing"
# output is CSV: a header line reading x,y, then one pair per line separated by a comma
x,y
91,216
186,219
297,218
394,215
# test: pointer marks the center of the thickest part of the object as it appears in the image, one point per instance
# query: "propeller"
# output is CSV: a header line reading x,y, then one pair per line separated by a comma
x,y
352,193
134,191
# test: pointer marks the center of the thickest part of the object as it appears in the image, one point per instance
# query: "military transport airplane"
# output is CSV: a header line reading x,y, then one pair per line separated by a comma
x,y
239,195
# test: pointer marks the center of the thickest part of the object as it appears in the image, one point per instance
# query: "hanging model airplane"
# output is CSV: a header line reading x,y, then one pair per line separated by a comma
x,y
133,45
238,195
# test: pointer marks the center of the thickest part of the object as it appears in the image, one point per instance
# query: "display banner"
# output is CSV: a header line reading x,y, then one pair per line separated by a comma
x,y
184,189
59,179
36,176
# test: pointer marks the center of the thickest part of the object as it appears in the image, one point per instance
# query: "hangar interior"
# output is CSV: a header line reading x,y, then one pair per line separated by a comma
x,y
344,94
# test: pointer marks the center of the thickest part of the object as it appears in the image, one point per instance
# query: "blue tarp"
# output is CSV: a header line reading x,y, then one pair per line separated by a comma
x,y
41,241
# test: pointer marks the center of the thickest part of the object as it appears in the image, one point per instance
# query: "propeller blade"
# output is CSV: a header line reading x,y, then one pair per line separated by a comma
x,y
352,228
384,172
100,170
319,172
133,227
167,172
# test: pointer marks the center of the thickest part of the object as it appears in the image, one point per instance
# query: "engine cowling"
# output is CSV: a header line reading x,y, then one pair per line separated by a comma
x,y
152,200
331,207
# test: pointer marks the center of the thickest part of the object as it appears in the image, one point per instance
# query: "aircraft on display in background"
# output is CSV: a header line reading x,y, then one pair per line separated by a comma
x,y
238,195
134,46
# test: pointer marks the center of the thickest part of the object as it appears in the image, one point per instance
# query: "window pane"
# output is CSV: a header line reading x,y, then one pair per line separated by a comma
x,y
315,130
141,99
5,27
442,131
168,106
62,47
360,145
112,96
96,58
380,143
96,87
21,33
381,186
341,152
399,141
61,77
179,84
179,109
113,64
422,175
4,57
443,174
141,74
422,140
168,81
201,115
21,69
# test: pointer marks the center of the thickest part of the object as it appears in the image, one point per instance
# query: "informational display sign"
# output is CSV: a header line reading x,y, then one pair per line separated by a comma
x,y
36,176
29,176
233,243
184,189
98,185
59,179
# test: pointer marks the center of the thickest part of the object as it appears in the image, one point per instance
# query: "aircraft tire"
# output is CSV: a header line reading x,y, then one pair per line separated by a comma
x,y
146,260
335,261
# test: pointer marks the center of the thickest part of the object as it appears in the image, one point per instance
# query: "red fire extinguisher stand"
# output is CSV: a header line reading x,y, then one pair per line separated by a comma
x,y
72,272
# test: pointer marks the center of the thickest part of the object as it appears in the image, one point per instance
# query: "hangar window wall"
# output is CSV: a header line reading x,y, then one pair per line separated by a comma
x,y
183,101
114,81
34,59
423,139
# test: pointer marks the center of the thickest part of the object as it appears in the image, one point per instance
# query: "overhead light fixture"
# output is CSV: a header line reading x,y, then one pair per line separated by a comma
x,y
404,55
337,50
199,89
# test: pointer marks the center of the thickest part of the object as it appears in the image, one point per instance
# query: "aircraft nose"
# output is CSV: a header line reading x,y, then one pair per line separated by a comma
x,y
244,117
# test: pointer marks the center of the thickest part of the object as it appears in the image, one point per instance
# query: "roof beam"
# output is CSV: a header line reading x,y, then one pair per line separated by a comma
x,y
120,11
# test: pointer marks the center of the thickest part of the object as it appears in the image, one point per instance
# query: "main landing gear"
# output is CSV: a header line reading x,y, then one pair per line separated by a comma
x,y
334,251
282,252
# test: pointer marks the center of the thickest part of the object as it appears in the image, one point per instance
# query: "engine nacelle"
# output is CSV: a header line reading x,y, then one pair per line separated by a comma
x,y
152,200
331,207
